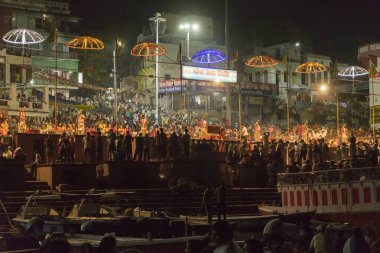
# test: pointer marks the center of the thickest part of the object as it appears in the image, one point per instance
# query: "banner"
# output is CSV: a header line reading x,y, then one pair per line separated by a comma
x,y
209,74
174,86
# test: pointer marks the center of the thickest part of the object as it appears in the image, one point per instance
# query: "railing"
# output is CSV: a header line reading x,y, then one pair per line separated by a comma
x,y
23,104
51,53
37,105
328,176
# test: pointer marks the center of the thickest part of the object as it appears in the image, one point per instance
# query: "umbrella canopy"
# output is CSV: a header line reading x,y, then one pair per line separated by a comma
x,y
208,56
23,37
86,43
353,71
147,49
261,62
311,68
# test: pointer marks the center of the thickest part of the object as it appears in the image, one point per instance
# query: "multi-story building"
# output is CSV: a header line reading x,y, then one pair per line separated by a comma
x,y
298,83
42,16
201,96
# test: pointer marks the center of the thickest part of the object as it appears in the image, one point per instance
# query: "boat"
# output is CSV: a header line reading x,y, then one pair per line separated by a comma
x,y
94,214
343,195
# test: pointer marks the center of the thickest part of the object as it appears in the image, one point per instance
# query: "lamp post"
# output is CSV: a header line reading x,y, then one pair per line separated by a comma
x,y
118,46
157,19
188,27
288,87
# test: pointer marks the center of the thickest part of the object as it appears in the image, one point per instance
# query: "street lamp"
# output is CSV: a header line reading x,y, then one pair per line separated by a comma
x,y
188,27
156,20
118,46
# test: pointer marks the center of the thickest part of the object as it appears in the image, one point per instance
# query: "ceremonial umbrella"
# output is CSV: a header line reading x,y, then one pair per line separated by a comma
x,y
311,68
23,36
261,61
86,43
208,56
147,49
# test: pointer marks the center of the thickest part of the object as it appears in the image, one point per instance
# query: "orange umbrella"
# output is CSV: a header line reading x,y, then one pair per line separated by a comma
x,y
261,62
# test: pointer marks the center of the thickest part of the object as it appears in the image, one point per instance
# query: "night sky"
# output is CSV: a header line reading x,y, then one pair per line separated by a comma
x,y
330,27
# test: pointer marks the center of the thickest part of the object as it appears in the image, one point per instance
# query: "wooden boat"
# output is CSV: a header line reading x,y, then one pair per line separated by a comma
x,y
344,195
95,214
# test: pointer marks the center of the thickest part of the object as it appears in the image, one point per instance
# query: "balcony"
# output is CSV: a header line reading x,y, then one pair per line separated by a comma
x,y
53,54
28,52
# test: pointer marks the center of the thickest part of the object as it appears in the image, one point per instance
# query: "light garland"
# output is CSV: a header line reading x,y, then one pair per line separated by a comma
x,y
86,43
311,68
261,61
23,37
147,49
353,71
208,56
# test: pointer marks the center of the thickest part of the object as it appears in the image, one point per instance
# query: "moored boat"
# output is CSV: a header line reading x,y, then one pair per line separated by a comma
x,y
343,195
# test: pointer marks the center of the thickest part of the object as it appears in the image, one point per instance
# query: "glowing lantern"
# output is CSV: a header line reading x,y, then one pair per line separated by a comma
x,y
261,61
147,49
23,37
208,56
311,68
86,43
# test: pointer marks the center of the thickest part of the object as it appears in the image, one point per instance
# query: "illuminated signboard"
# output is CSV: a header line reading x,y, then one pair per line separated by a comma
x,y
208,74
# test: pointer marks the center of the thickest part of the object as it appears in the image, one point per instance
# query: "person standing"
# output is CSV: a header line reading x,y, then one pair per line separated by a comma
x,y
111,145
162,143
139,147
319,243
128,145
186,143
48,149
221,201
99,146
146,148
207,202
87,146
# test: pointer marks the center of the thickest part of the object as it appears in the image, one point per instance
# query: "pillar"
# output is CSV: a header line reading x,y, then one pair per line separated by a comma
x,y
12,92
23,75
46,94
7,73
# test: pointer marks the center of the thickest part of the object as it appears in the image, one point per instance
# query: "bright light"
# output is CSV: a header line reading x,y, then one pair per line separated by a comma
x,y
32,81
217,80
187,26
195,27
297,44
23,36
323,87
181,26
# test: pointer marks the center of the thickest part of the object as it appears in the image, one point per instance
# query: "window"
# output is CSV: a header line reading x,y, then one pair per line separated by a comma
x,y
319,77
303,79
258,77
265,76
315,198
277,77
344,196
285,197
299,198
285,76
324,198
278,53
167,76
38,23
307,198
355,196
291,198
367,195
312,78
334,197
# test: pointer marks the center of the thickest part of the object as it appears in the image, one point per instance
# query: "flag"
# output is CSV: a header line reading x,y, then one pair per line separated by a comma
x,y
179,54
285,59
52,38
372,71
